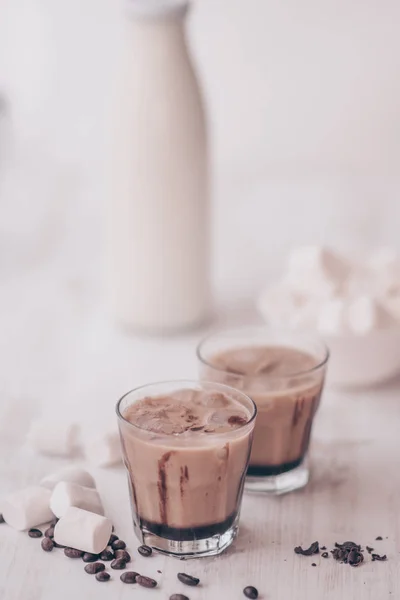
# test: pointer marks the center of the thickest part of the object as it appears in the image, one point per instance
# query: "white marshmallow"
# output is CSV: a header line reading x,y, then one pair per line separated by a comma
x,y
385,267
27,508
71,474
103,449
365,314
316,271
57,438
83,530
332,317
67,494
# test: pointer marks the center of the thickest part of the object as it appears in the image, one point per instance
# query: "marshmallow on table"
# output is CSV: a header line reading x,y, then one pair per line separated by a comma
x,y
27,508
103,449
54,437
83,530
67,494
365,314
316,271
71,474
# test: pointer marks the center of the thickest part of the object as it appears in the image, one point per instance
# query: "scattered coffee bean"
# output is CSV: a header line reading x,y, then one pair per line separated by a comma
x,y
107,555
47,544
313,564
145,550
118,545
325,555
129,577
49,532
35,533
88,557
113,538
146,581
93,568
188,579
250,592
178,597
123,554
102,576
313,549
73,553
1,518
369,549
118,564
379,538
378,557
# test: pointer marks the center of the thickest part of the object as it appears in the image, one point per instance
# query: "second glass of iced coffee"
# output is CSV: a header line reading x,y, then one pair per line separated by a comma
x,y
283,372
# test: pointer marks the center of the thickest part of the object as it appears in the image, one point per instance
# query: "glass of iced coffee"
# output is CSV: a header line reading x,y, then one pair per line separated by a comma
x,y
186,447
283,372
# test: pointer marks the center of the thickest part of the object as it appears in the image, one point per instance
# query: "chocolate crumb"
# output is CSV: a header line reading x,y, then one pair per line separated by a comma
x,y
178,597
379,538
158,571
323,548
313,549
369,549
325,555
354,558
378,557
1,518
313,564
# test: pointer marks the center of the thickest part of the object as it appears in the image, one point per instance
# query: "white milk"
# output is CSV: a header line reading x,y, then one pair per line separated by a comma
x,y
158,201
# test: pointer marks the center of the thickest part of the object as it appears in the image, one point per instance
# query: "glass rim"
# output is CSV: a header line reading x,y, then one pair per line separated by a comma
x,y
188,382
240,330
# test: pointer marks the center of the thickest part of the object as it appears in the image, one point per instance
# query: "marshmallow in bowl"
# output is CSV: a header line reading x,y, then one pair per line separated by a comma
x,y
53,437
365,315
27,508
315,270
71,474
67,494
283,306
83,530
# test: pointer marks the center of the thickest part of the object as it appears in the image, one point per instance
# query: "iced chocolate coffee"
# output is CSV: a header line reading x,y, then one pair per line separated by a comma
x,y
186,448
286,383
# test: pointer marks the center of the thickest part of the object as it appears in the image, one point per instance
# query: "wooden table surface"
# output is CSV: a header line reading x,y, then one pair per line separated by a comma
x,y
354,494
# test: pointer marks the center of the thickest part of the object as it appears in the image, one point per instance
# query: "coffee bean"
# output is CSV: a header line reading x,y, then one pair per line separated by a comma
x,y
178,597
102,576
88,557
113,538
146,581
123,554
118,545
35,533
188,579
129,577
93,568
49,532
47,544
73,553
145,550
2,518
107,555
118,564
250,592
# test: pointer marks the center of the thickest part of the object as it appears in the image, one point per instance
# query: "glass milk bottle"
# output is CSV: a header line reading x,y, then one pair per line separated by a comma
x,y
158,243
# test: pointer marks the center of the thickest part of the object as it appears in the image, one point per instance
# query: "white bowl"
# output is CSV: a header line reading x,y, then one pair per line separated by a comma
x,y
360,361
